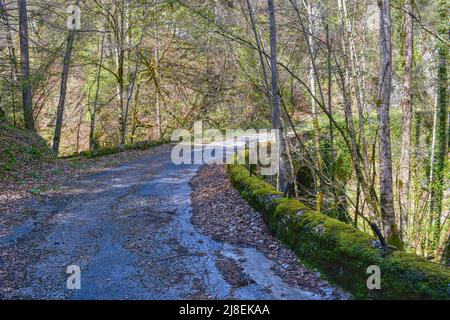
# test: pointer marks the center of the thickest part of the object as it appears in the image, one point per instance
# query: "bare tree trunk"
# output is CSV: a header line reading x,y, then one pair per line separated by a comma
x,y
312,80
134,118
92,140
118,25
130,89
218,12
276,115
2,112
361,171
445,259
386,190
358,195
330,109
404,182
291,172
267,91
157,93
25,66
431,177
63,91
126,33
12,58
80,121
353,69
128,102
260,54
439,153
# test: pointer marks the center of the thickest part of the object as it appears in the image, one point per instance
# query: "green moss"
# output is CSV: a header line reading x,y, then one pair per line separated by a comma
x,y
341,252
415,277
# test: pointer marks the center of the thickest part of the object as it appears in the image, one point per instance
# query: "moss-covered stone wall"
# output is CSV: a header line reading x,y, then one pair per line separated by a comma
x,y
341,252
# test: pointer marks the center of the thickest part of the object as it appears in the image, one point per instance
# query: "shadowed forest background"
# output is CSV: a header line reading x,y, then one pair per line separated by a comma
x,y
359,89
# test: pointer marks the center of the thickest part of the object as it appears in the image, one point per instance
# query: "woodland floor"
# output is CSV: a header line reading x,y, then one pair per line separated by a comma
x,y
135,233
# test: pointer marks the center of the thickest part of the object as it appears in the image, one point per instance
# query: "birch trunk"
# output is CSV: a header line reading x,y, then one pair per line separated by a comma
x,y
312,81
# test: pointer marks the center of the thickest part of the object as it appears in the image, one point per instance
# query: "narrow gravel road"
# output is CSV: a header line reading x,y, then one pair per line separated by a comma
x,y
129,230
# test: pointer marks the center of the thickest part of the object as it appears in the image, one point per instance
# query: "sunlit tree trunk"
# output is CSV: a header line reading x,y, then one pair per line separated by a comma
x,y
134,117
63,90
262,59
276,115
25,66
12,58
361,173
118,25
404,182
439,153
92,139
132,85
314,110
126,33
330,110
356,77
384,98
157,75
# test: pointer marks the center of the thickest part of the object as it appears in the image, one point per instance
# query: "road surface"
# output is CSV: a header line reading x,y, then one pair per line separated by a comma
x,y
129,231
